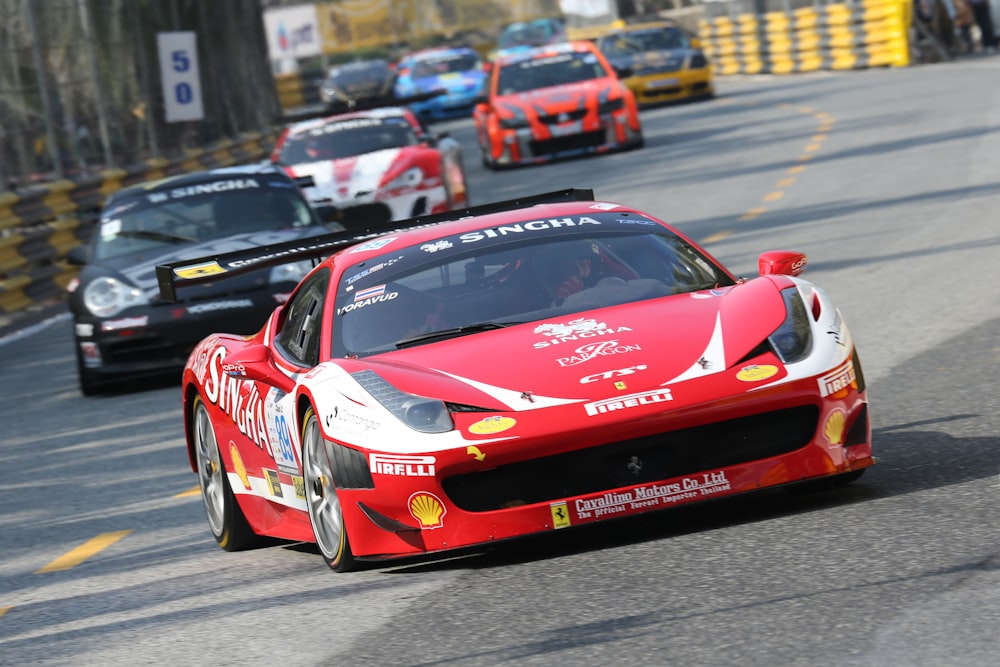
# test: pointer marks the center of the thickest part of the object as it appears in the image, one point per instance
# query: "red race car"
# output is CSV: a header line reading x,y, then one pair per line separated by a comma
x,y
380,164
554,101
512,369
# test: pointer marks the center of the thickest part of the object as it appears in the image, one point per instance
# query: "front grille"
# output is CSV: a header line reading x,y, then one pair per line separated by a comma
x,y
565,117
570,142
141,349
638,461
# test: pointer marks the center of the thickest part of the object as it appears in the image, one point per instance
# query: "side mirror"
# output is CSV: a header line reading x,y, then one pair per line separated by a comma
x,y
256,363
781,262
77,255
623,72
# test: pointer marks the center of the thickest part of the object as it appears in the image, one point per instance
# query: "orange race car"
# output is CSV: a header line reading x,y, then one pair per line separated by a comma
x,y
555,101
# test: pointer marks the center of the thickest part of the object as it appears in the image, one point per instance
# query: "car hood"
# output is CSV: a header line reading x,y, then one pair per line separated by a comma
x,y
451,82
344,179
140,269
641,346
558,99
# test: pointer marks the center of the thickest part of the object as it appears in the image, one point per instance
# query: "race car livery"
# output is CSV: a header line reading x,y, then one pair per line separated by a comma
x,y
376,164
523,367
659,63
457,74
554,102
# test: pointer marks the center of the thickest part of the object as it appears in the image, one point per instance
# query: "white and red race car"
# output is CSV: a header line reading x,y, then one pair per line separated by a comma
x,y
521,367
374,165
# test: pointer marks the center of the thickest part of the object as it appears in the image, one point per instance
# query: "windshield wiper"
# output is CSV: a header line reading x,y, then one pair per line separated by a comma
x,y
455,332
166,237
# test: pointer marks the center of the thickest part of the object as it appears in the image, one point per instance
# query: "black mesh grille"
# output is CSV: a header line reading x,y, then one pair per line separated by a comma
x,y
568,143
575,114
637,461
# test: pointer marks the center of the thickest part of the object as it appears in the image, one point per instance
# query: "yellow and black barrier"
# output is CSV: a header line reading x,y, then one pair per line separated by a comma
x,y
870,33
38,229
298,89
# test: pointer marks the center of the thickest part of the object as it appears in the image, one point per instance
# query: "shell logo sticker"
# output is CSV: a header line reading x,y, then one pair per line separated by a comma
x,y
427,509
834,427
241,470
206,269
560,515
491,425
756,373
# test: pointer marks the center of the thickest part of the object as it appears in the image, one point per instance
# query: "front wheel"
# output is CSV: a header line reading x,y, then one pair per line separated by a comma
x,y
325,513
225,518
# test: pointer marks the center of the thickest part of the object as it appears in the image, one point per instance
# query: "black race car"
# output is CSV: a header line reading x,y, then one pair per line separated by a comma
x,y
122,329
364,83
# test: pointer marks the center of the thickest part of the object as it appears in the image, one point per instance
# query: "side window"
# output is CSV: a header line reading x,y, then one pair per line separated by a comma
x,y
300,334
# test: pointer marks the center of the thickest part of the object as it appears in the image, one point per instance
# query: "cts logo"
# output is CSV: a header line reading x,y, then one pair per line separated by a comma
x,y
607,375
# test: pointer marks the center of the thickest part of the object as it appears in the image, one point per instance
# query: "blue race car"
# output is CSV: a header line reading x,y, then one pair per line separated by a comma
x,y
457,72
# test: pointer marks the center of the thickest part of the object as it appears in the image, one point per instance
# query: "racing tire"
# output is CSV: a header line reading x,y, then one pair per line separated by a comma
x,y
226,520
322,502
825,483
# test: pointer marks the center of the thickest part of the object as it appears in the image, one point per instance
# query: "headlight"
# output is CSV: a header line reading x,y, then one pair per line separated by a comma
x,y
293,272
408,179
616,104
107,296
793,339
698,60
426,415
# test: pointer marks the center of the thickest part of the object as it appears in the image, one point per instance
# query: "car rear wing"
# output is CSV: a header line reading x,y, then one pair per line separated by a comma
x,y
171,277
338,107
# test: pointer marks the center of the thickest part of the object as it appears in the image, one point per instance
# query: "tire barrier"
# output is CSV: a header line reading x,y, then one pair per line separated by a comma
x,y
869,33
39,228
300,89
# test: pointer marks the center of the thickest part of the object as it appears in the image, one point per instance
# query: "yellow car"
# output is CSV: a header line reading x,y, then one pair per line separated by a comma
x,y
659,62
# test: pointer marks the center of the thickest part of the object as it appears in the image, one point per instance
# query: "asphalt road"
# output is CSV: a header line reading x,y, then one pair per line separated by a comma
x,y
888,179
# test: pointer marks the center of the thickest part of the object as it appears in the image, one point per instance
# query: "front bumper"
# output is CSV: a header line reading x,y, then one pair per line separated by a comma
x,y
563,476
662,87
533,145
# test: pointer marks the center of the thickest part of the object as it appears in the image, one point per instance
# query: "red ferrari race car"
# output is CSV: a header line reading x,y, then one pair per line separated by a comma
x,y
512,369
554,101
379,164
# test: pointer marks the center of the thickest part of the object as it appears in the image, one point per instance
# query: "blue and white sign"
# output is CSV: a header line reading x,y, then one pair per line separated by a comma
x,y
179,73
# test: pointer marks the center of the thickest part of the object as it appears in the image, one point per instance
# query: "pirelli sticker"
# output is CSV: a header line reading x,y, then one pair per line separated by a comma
x,y
198,270
560,515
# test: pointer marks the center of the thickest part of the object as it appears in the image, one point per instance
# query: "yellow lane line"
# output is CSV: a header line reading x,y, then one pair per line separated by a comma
x,y
718,236
805,158
195,491
797,169
752,213
785,182
812,148
774,196
84,551
4,610
819,137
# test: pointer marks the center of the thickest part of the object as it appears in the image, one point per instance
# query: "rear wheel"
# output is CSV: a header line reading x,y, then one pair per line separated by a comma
x,y
325,512
225,518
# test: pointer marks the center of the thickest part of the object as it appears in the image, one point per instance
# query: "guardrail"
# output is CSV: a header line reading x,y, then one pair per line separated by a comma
x,y
872,33
37,230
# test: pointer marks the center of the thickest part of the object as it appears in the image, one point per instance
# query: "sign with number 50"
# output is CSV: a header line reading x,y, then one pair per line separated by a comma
x,y
179,73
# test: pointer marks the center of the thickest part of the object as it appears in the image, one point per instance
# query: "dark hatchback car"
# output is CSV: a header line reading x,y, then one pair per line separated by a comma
x,y
359,84
122,329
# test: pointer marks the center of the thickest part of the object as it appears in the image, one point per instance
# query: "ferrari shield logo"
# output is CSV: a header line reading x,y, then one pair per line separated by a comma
x,y
560,515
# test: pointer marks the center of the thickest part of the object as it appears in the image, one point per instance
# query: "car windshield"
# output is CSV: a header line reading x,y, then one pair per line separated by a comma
x,y
461,62
536,33
508,275
199,212
347,138
630,43
554,70
360,73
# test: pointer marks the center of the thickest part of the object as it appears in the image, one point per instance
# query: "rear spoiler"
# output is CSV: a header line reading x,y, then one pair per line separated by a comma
x,y
170,277
338,107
